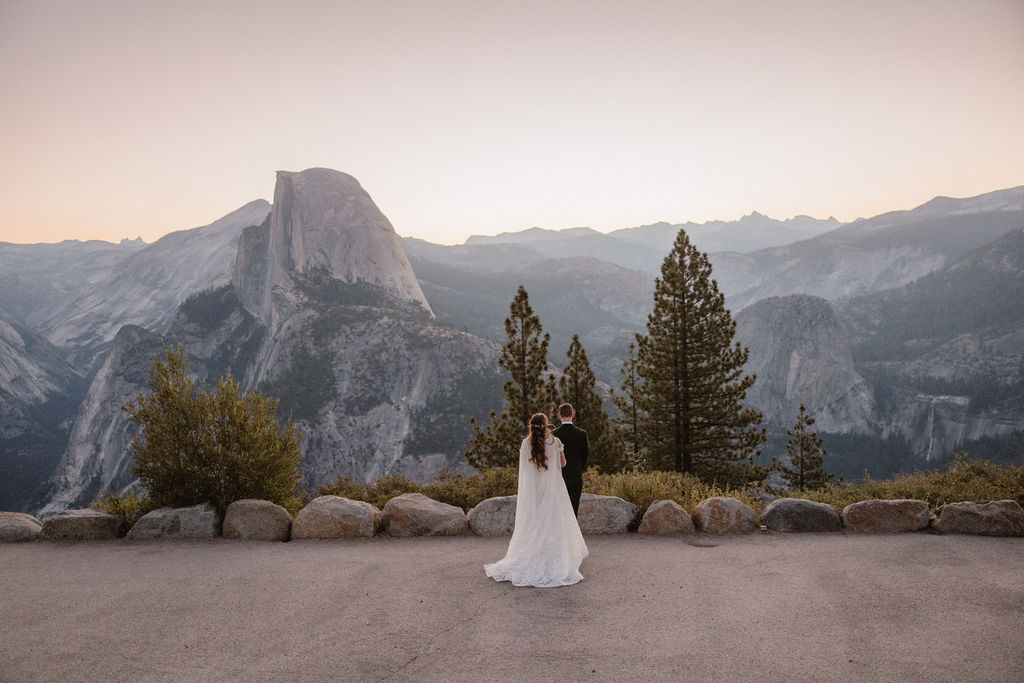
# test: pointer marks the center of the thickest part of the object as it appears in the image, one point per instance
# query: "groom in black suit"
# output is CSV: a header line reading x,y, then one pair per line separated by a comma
x,y
577,450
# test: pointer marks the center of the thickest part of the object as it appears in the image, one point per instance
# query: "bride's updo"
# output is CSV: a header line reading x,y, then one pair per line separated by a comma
x,y
538,435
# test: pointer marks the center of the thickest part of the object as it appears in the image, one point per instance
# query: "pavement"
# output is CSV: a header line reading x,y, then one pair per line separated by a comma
x,y
777,607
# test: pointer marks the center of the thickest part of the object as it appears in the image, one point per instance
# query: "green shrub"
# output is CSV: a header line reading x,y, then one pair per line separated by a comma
x,y
965,480
129,505
195,446
643,488
466,492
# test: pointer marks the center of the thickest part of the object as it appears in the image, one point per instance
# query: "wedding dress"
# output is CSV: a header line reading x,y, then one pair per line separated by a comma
x,y
547,546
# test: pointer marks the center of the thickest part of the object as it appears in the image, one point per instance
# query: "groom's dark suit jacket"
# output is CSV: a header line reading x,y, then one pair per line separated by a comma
x,y
577,450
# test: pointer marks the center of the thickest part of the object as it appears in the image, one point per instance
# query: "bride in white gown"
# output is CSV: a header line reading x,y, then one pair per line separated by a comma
x,y
547,546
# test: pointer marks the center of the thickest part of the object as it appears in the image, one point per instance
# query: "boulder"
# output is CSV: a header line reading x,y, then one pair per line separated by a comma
x,y
666,517
17,526
989,518
493,517
886,516
720,515
795,514
336,517
257,520
413,514
84,525
196,522
606,514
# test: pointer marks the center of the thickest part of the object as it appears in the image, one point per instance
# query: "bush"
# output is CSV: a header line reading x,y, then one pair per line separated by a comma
x,y
643,488
196,446
129,505
448,487
965,480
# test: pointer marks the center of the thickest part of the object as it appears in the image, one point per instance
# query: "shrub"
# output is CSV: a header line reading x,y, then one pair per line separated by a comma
x,y
643,488
129,505
965,480
195,446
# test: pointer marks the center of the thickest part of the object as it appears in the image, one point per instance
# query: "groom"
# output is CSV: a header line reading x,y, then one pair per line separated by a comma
x,y
577,450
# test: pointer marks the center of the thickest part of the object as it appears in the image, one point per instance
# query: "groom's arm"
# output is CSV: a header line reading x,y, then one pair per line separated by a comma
x,y
586,453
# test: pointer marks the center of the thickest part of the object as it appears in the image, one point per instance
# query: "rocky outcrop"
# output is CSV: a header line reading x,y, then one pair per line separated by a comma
x,y
795,514
666,517
493,517
336,517
84,525
606,514
991,518
17,526
801,355
413,514
197,522
322,222
257,520
886,516
720,515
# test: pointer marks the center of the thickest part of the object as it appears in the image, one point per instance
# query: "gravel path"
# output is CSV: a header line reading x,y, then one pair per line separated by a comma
x,y
773,607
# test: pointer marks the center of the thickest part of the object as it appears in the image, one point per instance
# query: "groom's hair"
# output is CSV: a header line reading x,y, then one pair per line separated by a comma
x,y
565,410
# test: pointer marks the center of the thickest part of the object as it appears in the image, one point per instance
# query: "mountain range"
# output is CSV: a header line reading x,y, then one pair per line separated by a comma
x,y
903,333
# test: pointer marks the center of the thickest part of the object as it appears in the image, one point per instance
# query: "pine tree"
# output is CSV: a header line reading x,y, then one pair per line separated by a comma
x,y
806,456
529,390
627,423
692,384
578,386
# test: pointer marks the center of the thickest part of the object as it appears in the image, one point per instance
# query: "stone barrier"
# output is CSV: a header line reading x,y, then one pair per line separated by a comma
x,y
795,514
336,517
413,514
606,515
493,517
84,525
666,517
195,523
721,515
989,518
16,527
257,520
886,516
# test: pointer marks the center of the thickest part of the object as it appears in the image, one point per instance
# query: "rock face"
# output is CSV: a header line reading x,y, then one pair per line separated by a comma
x,y
493,517
886,516
322,222
413,514
666,517
196,523
720,515
606,514
794,514
84,525
17,526
993,518
257,520
801,355
336,517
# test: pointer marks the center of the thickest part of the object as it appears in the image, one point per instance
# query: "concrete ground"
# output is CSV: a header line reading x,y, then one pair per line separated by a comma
x,y
773,607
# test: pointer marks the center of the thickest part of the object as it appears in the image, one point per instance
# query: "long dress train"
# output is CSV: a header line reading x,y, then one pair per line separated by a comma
x,y
547,546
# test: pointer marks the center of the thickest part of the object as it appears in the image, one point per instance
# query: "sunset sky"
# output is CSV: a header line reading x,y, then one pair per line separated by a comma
x,y
135,118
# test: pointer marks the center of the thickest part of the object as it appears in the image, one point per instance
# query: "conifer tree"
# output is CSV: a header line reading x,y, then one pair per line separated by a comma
x,y
627,423
806,456
692,384
529,390
578,386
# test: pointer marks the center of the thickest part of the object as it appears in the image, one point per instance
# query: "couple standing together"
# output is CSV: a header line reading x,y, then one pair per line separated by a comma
x,y
547,546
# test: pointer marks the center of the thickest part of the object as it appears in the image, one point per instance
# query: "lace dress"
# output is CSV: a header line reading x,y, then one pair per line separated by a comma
x,y
547,546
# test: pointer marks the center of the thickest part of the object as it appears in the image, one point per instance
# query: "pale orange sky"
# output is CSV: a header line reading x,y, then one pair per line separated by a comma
x,y
135,118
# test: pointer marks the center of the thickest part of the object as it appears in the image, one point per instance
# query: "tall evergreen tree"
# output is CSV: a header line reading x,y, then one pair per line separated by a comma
x,y
806,456
628,422
691,377
529,390
578,386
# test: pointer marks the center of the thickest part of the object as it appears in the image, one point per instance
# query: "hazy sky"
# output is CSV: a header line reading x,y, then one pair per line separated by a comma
x,y
135,118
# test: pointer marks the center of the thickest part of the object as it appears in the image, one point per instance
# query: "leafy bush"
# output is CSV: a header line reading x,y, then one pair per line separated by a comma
x,y
452,488
965,480
643,488
129,505
196,446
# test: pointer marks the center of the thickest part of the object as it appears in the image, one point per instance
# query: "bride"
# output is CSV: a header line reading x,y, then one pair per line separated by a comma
x,y
547,546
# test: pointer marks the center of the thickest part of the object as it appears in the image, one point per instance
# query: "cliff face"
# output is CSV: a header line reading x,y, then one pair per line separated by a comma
x,y
323,222
800,353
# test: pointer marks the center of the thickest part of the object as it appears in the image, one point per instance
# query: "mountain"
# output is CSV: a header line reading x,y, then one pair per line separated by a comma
x,y
36,279
38,395
321,309
146,287
880,253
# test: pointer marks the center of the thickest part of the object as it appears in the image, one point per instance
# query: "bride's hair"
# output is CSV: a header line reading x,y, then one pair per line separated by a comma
x,y
538,435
